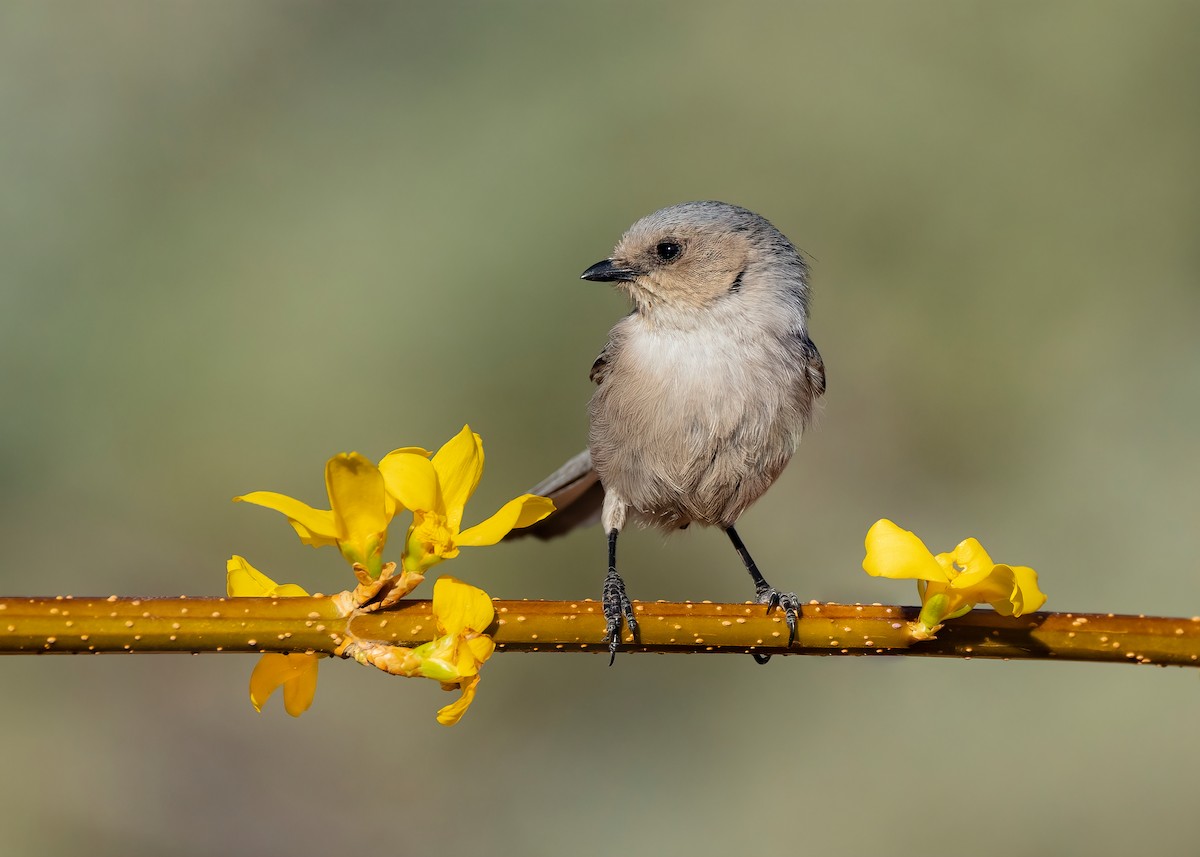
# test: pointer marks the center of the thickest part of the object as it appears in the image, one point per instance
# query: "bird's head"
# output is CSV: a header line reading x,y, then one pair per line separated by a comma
x,y
688,256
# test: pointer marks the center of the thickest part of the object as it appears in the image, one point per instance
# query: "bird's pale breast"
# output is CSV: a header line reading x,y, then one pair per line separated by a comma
x,y
693,425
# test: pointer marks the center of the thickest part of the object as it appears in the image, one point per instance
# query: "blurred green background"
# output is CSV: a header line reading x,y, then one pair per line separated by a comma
x,y
238,238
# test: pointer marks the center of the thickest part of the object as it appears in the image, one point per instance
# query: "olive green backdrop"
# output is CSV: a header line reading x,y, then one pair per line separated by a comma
x,y
238,238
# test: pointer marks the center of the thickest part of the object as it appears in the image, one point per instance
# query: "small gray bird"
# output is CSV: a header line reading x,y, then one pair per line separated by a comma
x,y
703,390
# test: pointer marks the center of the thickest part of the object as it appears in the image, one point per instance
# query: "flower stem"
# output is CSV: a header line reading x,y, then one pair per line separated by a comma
x,y
315,624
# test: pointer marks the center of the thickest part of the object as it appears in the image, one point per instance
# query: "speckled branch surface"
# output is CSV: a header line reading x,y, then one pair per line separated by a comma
x,y
67,625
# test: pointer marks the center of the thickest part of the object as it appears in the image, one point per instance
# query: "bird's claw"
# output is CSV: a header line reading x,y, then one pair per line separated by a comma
x,y
616,605
790,604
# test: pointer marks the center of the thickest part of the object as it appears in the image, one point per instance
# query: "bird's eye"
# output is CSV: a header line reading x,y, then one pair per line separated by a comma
x,y
668,250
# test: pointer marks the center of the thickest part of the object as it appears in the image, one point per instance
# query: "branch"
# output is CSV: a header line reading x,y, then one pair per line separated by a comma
x,y
67,625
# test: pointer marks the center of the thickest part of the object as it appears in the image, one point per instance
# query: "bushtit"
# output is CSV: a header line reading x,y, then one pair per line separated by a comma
x,y
702,391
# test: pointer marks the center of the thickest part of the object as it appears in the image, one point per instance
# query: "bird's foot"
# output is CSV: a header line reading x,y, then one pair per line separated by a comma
x,y
616,604
790,604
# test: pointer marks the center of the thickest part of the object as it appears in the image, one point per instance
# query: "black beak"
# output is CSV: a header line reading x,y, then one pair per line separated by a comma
x,y
609,271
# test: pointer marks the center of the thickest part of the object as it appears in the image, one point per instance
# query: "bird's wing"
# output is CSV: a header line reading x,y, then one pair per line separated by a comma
x,y
578,498
814,365
600,367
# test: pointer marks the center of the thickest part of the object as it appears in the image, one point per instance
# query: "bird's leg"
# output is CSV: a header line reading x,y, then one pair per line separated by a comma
x,y
765,593
616,602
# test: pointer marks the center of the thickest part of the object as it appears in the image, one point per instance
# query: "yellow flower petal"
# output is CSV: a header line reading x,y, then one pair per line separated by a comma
x,y
244,580
459,464
465,664
967,565
288,590
411,479
320,524
295,673
307,537
897,553
1025,596
1032,597
521,512
971,557
482,647
413,450
298,693
460,607
453,712
359,503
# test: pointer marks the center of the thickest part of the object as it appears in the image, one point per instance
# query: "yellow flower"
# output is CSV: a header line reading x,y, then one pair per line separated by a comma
x,y
358,517
296,673
438,490
463,613
950,584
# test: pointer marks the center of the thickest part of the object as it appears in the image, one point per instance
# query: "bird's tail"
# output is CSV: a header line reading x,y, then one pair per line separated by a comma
x,y
578,498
